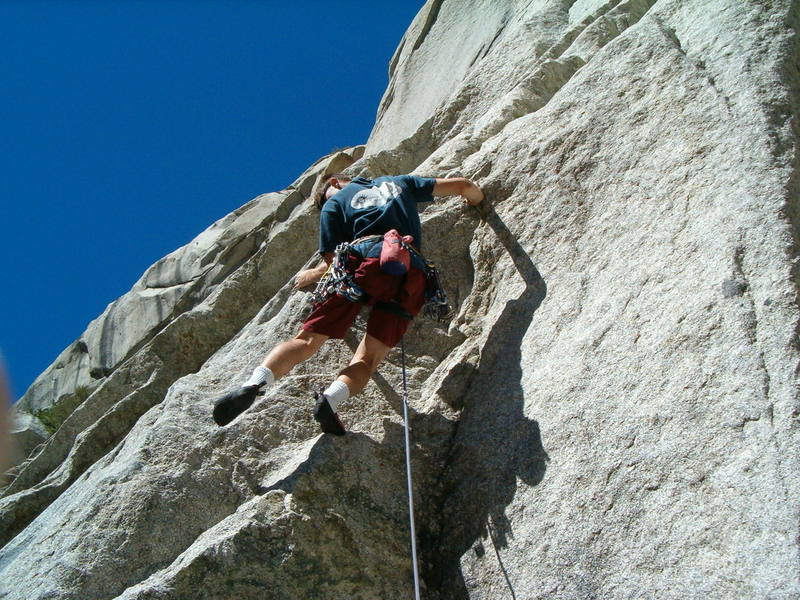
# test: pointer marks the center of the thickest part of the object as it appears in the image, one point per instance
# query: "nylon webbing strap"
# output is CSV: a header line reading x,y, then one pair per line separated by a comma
x,y
408,474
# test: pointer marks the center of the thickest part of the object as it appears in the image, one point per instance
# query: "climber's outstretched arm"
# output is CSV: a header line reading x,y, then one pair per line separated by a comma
x,y
458,186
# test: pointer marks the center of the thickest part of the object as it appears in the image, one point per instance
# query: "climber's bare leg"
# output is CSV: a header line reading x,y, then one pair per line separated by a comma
x,y
283,357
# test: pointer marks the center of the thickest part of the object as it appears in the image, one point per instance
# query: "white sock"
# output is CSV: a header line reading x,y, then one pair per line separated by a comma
x,y
260,376
337,392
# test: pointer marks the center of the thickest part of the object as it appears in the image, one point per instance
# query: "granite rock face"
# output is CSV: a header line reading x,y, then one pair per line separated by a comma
x,y
613,410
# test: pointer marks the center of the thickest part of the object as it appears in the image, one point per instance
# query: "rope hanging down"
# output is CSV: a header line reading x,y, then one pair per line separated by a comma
x,y
408,474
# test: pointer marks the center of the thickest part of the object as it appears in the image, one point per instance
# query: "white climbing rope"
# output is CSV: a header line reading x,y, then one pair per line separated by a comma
x,y
408,474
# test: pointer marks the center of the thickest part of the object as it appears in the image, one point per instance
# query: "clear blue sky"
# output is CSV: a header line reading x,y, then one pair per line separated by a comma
x,y
128,127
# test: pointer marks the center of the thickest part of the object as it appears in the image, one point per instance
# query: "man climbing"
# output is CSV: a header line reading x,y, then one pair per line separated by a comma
x,y
357,212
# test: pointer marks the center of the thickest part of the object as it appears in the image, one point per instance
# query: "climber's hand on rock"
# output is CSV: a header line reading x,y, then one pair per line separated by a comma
x,y
459,186
472,194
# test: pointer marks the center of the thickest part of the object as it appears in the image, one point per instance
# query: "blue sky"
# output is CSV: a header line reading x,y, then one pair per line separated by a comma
x,y
128,127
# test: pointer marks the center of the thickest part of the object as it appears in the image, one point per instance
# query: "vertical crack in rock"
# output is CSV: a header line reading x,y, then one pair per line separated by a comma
x,y
788,114
430,19
484,50
741,289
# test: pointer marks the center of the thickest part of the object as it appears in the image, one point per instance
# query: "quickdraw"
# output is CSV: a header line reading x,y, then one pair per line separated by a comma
x,y
338,279
436,304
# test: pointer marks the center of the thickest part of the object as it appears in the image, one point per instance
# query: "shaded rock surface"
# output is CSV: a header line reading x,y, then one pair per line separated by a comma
x,y
611,413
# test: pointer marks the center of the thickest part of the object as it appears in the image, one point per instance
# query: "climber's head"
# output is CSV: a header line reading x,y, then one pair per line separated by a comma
x,y
331,184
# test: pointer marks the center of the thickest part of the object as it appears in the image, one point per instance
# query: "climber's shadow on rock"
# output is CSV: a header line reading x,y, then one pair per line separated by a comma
x,y
496,444
471,477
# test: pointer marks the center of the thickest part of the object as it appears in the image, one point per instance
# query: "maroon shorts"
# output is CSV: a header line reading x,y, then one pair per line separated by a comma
x,y
335,315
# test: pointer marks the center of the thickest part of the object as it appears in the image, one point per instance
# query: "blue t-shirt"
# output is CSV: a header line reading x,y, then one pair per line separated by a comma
x,y
374,206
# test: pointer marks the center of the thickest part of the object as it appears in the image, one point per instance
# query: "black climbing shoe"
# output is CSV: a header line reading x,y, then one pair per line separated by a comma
x,y
323,414
234,403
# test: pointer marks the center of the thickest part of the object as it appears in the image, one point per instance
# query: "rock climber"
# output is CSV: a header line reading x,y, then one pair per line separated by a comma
x,y
357,212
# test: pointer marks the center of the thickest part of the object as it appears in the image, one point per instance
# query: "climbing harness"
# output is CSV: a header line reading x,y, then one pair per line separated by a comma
x,y
338,279
408,474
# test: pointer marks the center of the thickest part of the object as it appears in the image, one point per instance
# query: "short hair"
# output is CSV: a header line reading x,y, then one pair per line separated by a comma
x,y
320,197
